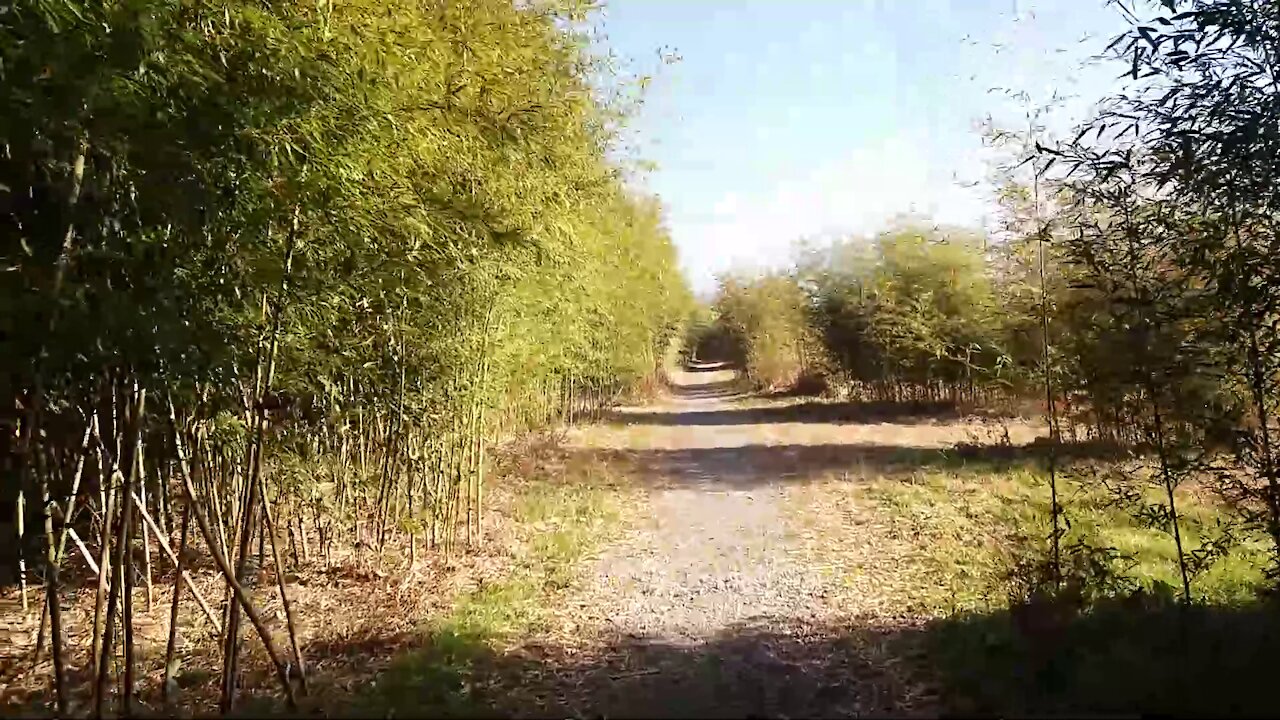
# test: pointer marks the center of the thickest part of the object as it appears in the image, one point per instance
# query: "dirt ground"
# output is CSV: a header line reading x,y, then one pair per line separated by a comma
x,y
719,600
716,604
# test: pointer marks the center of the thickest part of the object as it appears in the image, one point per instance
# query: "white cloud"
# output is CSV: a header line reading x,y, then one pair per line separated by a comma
x,y
858,193
727,205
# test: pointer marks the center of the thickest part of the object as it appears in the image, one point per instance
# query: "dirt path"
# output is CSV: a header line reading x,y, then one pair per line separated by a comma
x,y
713,553
712,607
753,580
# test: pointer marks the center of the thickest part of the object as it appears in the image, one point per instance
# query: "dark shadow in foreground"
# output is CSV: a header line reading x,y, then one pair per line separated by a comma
x,y
1129,657
1123,658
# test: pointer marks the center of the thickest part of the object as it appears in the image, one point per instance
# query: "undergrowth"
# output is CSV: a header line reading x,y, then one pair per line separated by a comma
x,y
1113,637
563,520
970,528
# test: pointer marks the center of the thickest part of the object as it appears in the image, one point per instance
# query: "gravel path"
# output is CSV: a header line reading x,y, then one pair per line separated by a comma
x,y
708,608
713,555
716,604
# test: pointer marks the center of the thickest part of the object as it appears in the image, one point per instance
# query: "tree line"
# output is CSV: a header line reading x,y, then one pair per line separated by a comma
x,y
286,271
1132,290
917,312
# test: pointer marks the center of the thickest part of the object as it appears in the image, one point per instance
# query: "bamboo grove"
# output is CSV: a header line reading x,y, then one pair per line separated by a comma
x,y
1130,292
281,273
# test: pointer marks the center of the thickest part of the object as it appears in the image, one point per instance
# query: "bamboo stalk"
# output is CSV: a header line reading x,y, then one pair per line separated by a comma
x,y
224,567
218,510
253,496
70,513
88,557
53,598
1055,508
284,596
171,646
163,510
480,423
302,537
108,630
104,545
183,575
141,501
126,547
21,513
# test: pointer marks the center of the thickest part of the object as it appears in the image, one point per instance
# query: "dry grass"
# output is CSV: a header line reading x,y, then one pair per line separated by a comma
x,y
356,614
911,521
353,615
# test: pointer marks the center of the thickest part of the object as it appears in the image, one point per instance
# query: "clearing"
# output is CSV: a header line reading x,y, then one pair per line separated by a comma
x,y
719,597
782,557
721,554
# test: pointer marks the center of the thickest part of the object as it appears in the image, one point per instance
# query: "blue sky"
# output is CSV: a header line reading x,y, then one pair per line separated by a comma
x,y
791,118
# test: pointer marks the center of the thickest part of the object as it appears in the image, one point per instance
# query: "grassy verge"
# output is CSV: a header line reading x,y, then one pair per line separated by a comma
x,y
968,529
560,520
1128,647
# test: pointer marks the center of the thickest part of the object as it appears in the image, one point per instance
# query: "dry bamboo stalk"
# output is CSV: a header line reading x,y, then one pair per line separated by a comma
x,y
224,567
171,647
69,513
88,557
21,513
177,563
141,500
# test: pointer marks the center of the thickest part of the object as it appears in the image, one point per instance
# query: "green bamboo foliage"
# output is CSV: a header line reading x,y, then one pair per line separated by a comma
x,y
911,315
766,322
288,271
1130,291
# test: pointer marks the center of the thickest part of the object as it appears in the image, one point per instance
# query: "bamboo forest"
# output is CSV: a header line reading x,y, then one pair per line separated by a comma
x,y
354,367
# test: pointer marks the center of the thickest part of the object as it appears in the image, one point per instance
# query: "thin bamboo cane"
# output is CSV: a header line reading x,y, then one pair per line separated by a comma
x,y
284,596
171,647
242,598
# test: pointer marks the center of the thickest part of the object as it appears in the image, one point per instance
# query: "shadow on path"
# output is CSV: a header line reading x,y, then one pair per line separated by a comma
x,y
719,390
709,366
1121,658
752,466
808,412
778,669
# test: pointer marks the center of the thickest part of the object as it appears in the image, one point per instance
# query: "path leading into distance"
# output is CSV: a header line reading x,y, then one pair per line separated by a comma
x,y
709,608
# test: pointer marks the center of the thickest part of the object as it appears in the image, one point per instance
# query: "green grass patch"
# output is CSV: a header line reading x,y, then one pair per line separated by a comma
x,y
1129,647
970,527
566,520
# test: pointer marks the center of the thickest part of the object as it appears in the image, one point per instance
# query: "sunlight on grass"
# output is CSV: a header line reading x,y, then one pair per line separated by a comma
x,y
962,531
968,527
565,520
945,551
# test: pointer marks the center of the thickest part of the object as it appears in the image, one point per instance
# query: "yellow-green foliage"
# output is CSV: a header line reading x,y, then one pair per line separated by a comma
x,y
767,321
411,213
912,305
